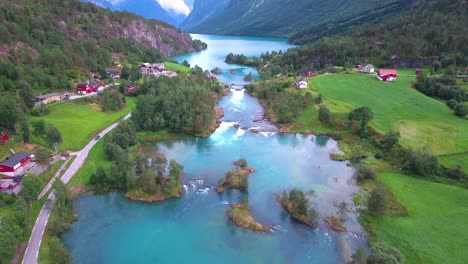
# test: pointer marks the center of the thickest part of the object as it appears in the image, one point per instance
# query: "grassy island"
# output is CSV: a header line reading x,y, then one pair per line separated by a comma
x,y
297,206
239,214
236,178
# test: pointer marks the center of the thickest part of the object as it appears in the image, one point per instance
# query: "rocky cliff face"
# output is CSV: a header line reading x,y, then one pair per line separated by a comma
x,y
168,40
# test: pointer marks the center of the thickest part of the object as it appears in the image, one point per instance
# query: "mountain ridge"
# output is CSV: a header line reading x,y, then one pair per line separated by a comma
x,y
278,18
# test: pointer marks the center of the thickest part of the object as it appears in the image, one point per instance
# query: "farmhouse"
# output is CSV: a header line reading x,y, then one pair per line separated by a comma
x,y
15,165
87,87
387,75
369,68
307,73
156,69
48,98
302,84
113,74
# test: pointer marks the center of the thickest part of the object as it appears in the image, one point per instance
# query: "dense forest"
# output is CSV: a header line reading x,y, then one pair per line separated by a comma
x,y
281,18
51,44
434,33
182,105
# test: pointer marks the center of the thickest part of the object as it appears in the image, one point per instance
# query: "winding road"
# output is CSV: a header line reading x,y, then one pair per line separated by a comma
x,y
34,244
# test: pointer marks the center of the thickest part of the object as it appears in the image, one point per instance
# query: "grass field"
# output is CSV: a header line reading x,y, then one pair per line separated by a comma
x,y
177,67
436,230
421,120
456,159
79,123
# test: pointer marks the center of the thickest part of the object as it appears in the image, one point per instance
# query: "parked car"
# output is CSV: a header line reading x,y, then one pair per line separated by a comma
x,y
97,137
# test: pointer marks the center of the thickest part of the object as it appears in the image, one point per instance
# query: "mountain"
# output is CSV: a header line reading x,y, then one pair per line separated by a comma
x,y
280,17
202,11
146,8
433,33
52,44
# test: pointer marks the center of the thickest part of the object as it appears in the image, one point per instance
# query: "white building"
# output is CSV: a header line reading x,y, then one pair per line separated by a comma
x,y
302,84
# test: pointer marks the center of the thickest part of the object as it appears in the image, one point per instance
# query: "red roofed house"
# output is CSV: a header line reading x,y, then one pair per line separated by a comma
x,y
4,138
131,88
14,165
387,75
87,87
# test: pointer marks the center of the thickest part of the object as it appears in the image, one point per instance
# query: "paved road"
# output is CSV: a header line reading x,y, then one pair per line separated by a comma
x,y
80,159
34,244
49,184
74,97
32,251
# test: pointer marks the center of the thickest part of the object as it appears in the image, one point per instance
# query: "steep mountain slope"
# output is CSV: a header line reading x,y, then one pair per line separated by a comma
x,y
435,33
145,8
202,11
283,17
52,43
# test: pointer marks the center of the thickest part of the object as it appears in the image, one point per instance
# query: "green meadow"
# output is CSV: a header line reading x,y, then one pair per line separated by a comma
x,y
80,122
177,67
421,120
435,230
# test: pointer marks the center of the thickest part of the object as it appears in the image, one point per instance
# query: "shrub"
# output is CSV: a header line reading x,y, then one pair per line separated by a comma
x,y
421,163
378,201
364,173
455,172
382,254
324,115
460,110
452,103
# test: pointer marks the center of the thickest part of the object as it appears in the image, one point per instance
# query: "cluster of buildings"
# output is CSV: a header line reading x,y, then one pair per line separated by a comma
x,y
12,171
156,69
384,75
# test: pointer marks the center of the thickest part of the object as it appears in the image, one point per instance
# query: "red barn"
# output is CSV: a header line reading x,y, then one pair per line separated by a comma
x,y
4,138
87,87
14,165
387,75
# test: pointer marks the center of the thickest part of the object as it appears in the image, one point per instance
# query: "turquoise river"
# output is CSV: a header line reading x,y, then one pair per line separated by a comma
x,y
194,228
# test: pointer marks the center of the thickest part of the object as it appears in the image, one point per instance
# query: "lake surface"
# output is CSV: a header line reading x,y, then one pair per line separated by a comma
x,y
220,46
194,228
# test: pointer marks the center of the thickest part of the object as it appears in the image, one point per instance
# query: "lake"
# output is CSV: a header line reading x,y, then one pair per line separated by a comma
x,y
220,46
194,228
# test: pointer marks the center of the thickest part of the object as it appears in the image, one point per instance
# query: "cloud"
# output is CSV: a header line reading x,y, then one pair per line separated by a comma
x,y
178,6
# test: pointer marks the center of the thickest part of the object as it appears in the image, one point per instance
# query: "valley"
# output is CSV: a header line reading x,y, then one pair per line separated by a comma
x,y
187,131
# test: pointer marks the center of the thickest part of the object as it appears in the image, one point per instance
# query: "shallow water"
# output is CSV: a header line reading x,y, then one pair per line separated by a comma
x,y
195,229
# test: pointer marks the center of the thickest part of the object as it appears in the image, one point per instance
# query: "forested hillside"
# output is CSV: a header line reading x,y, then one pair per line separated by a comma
x,y
435,34
52,43
283,18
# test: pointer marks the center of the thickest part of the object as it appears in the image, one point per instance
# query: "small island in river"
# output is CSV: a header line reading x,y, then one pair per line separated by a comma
x,y
239,214
297,206
236,178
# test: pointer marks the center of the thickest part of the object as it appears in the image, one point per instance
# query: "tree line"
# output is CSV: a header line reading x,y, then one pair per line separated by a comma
x,y
181,105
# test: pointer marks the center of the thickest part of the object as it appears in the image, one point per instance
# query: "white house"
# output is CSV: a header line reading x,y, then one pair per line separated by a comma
x,y
369,68
302,84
